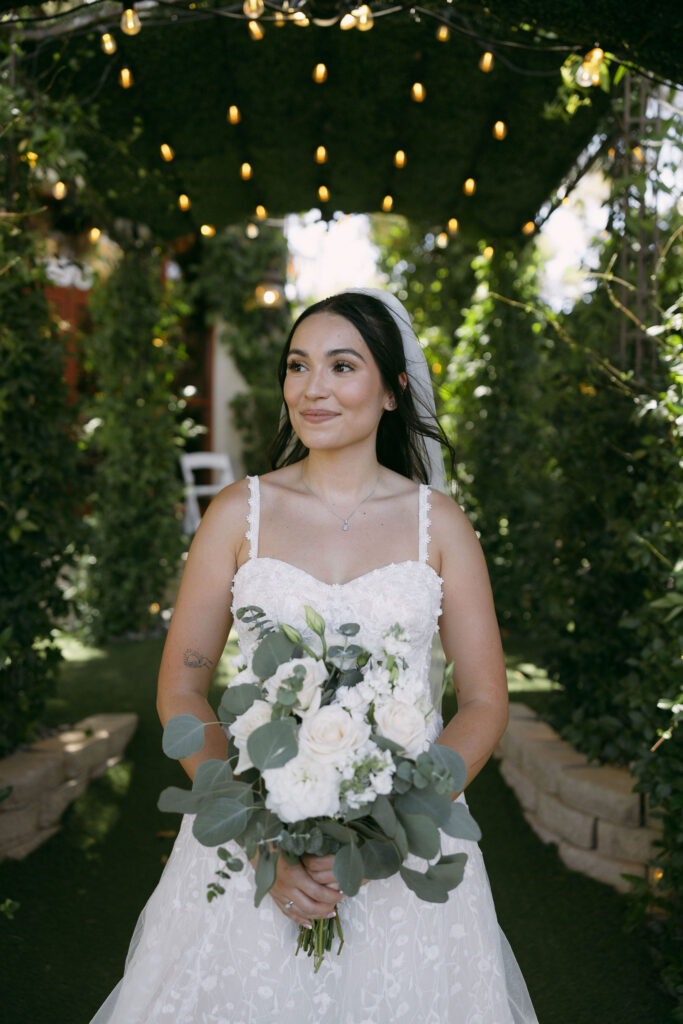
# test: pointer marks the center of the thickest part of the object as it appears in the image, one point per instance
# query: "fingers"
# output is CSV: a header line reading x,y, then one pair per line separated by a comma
x,y
320,870
299,896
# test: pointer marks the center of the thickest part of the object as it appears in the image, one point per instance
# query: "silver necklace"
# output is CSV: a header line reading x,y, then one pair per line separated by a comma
x,y
343,519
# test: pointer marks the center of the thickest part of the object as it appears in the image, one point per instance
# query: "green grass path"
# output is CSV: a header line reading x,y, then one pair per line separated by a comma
x,y
81,892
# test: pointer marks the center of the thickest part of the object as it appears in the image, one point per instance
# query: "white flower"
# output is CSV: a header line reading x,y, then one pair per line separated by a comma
x,y
302,789
396,645
239,662
408,688
353,699
403,723
258,714
369,775
376,685
310,693
332,735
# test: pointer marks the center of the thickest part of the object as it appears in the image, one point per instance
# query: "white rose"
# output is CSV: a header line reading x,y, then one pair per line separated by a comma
x,y
302,789
332,735
403,723
310,693
241,729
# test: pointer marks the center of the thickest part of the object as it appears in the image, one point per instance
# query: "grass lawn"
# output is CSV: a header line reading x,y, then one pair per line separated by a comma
x,y
81,892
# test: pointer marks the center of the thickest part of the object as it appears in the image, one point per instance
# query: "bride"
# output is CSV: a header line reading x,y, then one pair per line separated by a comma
x,y
347,522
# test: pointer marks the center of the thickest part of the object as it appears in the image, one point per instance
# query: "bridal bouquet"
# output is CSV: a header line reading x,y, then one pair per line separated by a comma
x,y
330,745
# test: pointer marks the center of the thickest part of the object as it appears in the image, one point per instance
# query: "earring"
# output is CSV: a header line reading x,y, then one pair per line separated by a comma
x,y
392,403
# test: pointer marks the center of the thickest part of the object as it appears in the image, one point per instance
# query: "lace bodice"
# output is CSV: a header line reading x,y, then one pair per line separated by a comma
x,y
407,592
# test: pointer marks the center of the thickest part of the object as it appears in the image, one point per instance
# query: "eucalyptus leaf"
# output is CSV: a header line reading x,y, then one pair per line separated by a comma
x,y
380,859
182,801
220,820
212,772
425,801
238,698
271,652
347,868
448,871
336,831
452,762
422,834
460,824
183,736
265,874
250,613
349,629
383,813
426,888
273,744
384,743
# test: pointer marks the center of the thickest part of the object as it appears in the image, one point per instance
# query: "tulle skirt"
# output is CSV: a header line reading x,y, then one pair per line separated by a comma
x,y
404,960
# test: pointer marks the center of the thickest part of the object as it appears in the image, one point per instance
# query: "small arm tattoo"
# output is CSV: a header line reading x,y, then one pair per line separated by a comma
x,y
193,659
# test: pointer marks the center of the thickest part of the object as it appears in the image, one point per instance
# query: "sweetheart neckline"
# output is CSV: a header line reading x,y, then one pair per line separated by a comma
x,y
346,583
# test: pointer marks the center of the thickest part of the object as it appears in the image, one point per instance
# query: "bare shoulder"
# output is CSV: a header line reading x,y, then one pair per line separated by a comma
x,y
452,534
224,524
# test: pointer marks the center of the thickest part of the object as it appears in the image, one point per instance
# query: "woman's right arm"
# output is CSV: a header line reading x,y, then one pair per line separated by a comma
x,y
202,619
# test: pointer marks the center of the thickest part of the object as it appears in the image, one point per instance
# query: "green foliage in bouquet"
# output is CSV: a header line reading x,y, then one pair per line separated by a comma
x,y
370,839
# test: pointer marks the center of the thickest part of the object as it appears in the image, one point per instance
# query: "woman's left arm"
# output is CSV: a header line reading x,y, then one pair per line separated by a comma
x,y
470,638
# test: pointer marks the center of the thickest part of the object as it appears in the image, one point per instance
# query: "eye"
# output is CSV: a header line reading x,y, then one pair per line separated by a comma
x,y
294,366
341,366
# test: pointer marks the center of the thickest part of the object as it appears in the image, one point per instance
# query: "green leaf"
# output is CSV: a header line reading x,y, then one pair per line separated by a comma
x,y
220,820
212,773
386,744
426,888
452,762
449,870
264,875
460,824
349,629
182,801
273,744
314,621
425,801
274,650
238,699
291,633
422,834
183,736
380,859
383,813
336,831
347,868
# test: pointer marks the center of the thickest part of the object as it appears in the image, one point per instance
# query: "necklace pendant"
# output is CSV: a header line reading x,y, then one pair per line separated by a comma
x,y
346,525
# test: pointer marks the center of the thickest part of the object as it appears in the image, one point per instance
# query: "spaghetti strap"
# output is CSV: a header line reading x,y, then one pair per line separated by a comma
x,y
253,516
424,522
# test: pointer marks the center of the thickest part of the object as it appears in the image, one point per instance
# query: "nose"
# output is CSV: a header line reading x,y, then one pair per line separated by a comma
x,y
316,383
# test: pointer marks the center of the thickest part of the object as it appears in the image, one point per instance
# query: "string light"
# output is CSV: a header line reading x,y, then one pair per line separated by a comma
x,y
234,115
590,71
364,18
323,193
157,342
418,92
184,202
208,230
253,8
488,252
108,43
31,158
320,74
469,187
500,130
130,22
388,204
59,190
321,155
453,225
94,235
246,171
167,152
347,22
528,228
125,77
399,158
256,30
443,33
486,61
252,230
279,22
300,19
442,240
261,212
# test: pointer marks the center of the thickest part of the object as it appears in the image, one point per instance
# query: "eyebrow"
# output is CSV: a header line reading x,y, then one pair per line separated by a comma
x,y
332,352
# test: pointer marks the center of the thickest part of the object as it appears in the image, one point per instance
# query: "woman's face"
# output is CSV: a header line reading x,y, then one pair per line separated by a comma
x,y
333,388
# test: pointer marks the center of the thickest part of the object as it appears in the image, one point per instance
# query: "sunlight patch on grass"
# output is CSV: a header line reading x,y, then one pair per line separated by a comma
x,y
74,649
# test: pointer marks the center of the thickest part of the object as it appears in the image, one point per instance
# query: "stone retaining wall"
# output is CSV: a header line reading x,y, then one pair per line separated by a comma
x,y
600,825
46,777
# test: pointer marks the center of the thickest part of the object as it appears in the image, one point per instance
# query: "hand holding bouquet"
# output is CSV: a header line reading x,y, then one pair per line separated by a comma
x,y
330,743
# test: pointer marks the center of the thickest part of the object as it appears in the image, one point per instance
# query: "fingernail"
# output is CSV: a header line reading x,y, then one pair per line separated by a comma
x,y
307,924
333,914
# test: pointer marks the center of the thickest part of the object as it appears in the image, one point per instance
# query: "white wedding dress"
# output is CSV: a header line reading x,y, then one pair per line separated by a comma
x,y
404,961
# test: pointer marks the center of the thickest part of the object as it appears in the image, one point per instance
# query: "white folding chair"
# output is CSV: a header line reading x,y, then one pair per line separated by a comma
x,y
192,463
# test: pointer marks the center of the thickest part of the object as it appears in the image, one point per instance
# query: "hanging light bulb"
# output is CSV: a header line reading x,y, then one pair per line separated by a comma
x,y
388,203
261,212
108,43
253,8
486,61
323,194
256,30
528,228
488,252
184,202
279,22
443,33
252,230
126,77
364,18
31,158
299,18
595,56
347,22
453,225
167,152
94,235
130,21
418,92
500,130
321,155
584,75
208,230
469,187
399,158
234,115
59,190
246,171
442,240
320,74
